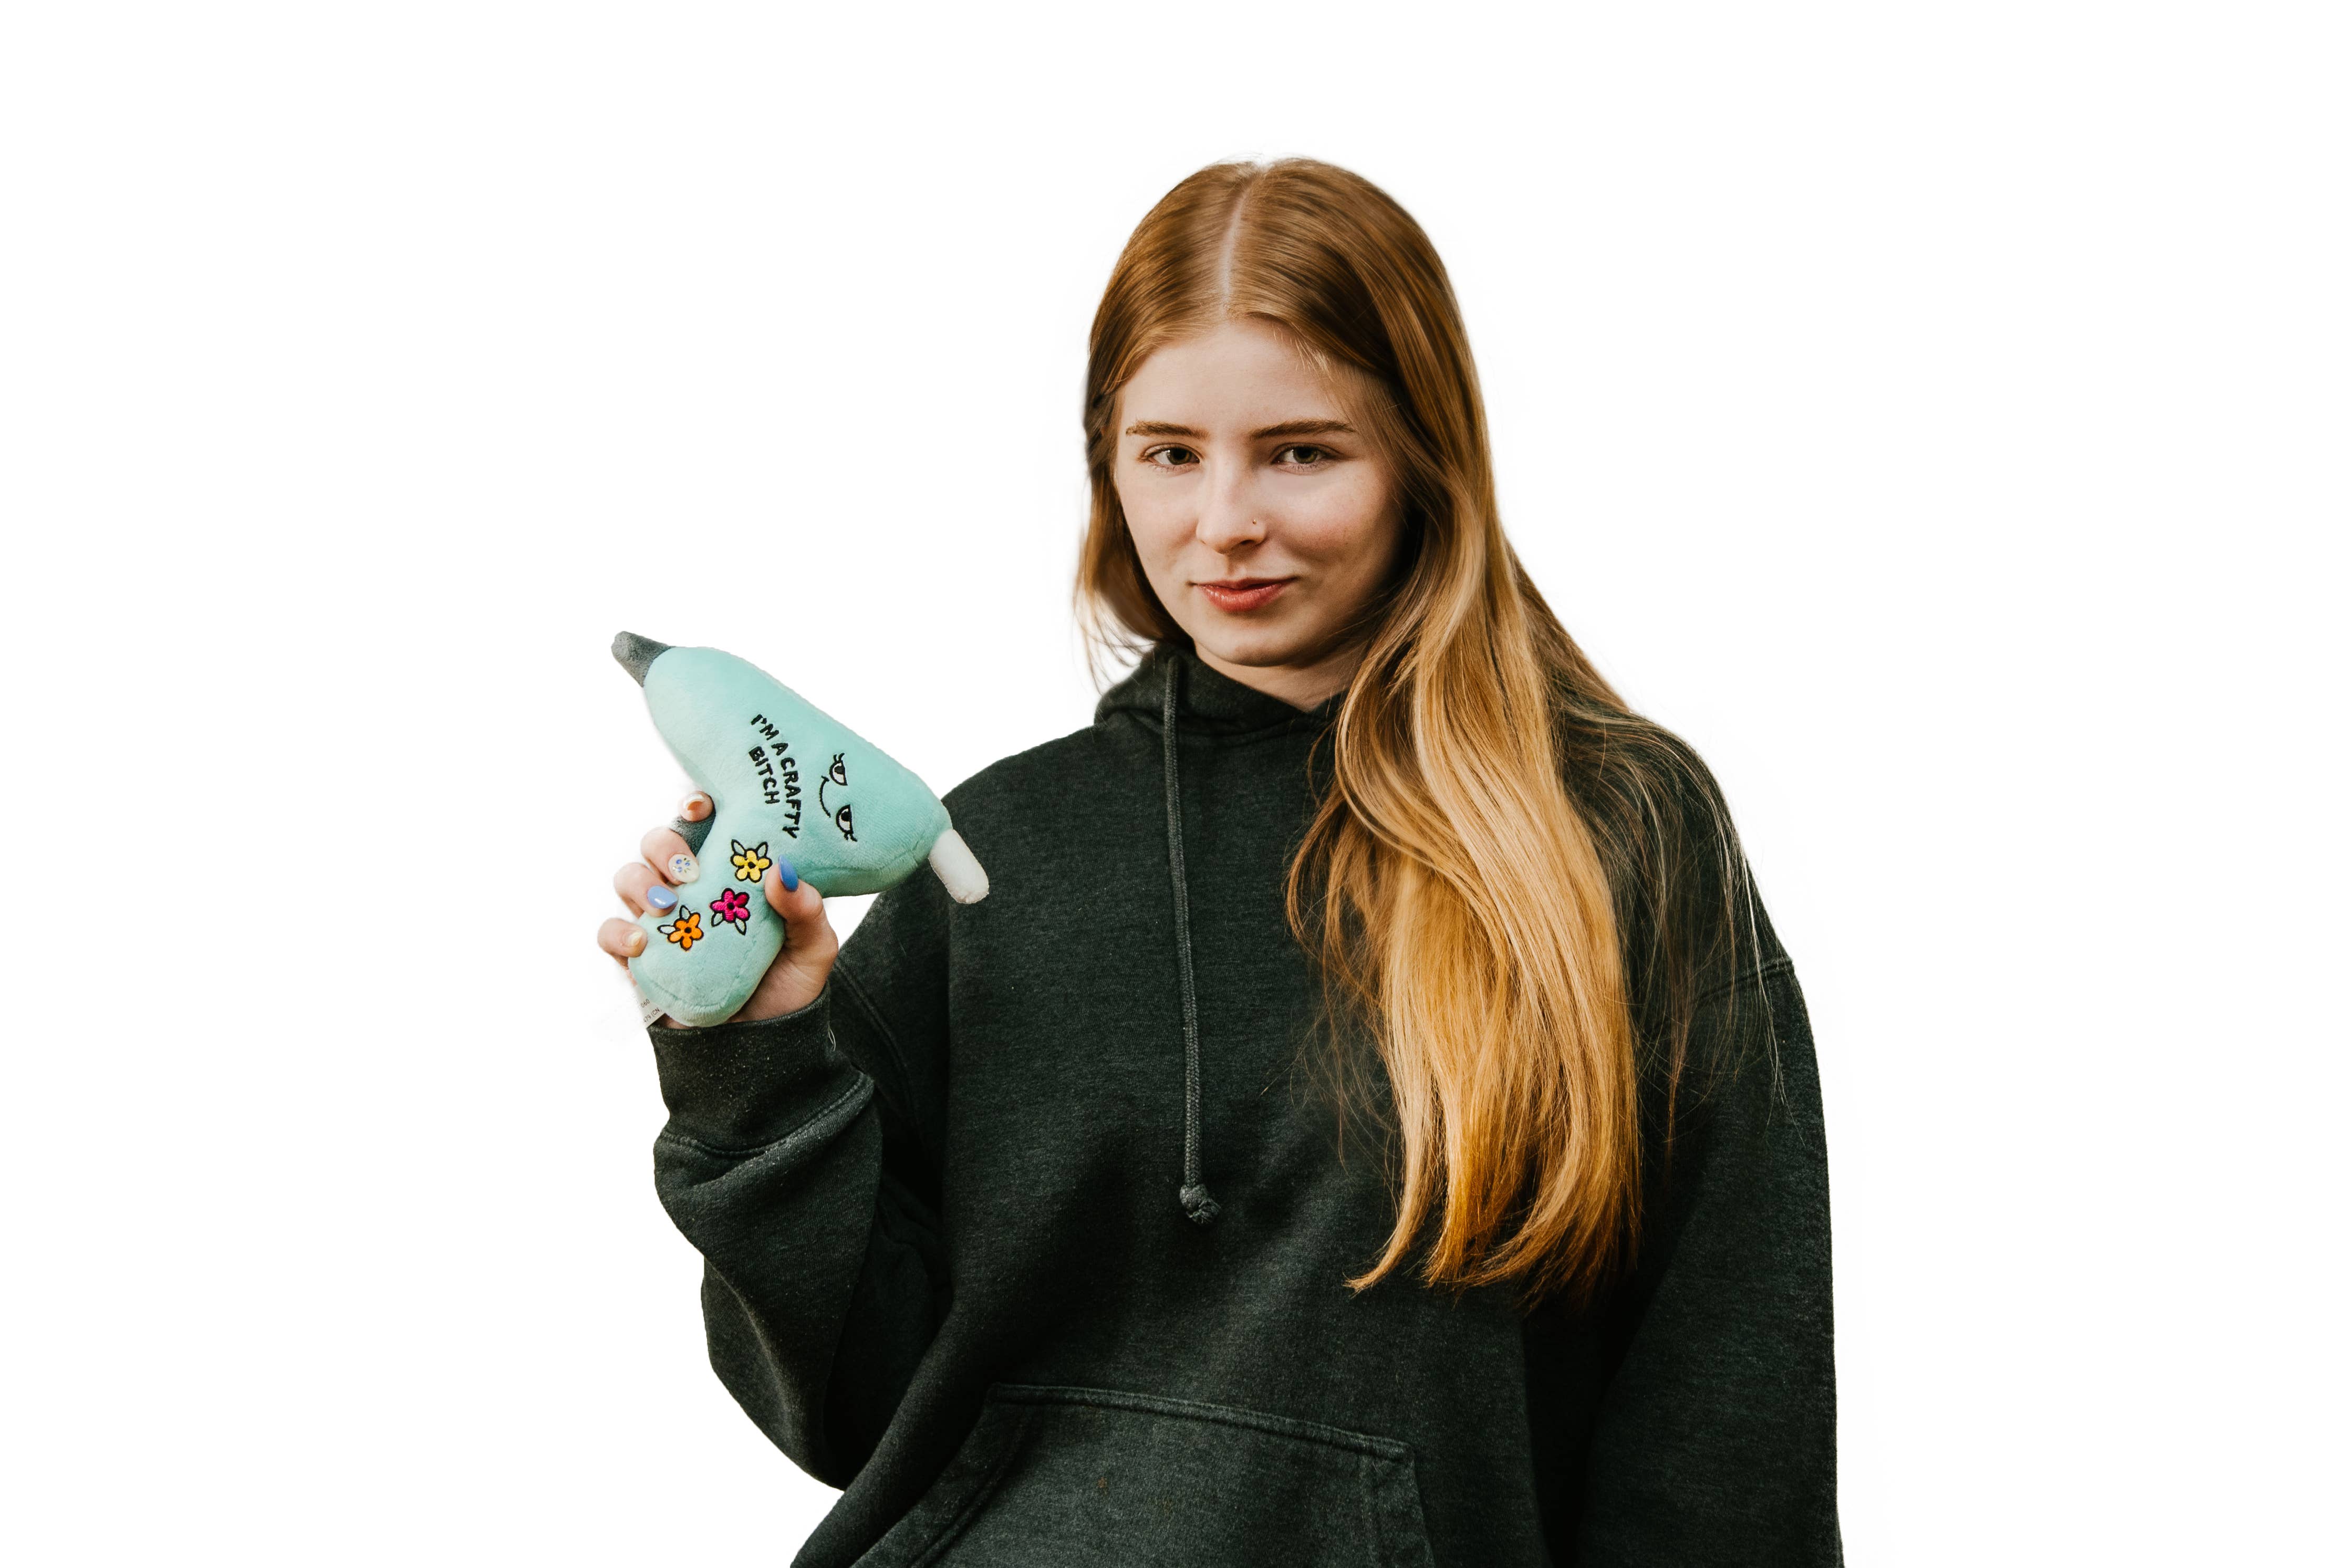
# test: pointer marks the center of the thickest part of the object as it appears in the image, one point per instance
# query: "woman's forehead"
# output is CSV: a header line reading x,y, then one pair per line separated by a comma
x,y
1234,377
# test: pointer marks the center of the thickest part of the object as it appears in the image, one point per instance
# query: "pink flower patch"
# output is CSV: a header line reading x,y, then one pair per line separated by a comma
x,y
732,908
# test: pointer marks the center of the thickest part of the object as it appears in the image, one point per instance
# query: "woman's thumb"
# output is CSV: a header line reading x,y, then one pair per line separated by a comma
x,y
794,901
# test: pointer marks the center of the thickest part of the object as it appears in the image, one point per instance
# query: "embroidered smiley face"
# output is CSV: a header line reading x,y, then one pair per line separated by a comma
x,y
836,777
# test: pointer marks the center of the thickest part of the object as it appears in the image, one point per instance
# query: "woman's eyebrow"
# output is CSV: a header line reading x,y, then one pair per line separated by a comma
x,y
1269,432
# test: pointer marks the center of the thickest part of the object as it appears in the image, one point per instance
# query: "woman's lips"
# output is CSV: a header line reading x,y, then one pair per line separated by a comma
x,y
1244,592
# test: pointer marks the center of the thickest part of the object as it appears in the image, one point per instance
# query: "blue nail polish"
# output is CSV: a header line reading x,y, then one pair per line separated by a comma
x,y
791,877
660,897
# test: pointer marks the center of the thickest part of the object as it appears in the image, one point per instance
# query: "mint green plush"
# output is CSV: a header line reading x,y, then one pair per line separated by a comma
x,y
789,783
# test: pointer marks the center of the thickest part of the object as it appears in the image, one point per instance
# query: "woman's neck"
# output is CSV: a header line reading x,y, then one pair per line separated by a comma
x,y
1305,686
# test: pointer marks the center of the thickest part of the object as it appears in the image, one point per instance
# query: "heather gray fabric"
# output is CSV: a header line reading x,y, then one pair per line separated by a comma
x,y
946,1271
637,654
695,834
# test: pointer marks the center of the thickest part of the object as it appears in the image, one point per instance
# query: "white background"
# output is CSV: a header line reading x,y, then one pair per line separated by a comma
x,y
1935,413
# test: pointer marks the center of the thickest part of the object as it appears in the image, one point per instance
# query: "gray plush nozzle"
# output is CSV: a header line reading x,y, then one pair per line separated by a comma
x,y
637,654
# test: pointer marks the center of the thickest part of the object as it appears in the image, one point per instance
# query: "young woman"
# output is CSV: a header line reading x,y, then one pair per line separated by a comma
x,y
1370,1120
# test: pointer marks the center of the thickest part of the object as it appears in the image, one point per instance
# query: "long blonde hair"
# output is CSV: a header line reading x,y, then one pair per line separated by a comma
x,y
1490,878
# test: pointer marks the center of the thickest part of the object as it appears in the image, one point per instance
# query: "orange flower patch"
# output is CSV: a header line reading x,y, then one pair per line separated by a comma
x,y
685,930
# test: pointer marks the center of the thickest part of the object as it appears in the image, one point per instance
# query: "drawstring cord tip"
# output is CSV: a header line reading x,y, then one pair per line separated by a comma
x,y
1201,1209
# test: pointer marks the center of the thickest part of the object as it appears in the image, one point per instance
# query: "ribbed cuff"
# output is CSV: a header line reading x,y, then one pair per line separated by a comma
x,y
745,1086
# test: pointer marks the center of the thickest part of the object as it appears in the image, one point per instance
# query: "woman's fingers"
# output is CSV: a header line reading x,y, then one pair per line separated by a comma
x,y
641,888
665,853
624,939
649,884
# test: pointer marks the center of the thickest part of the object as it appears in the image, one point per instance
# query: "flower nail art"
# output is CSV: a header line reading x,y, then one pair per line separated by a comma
x,y
749,865
734,907
685,930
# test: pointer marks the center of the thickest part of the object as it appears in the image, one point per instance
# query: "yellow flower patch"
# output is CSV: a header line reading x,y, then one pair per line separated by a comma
x,y
749,865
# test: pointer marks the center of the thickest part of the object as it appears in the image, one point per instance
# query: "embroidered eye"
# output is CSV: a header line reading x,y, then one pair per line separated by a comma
x,y
847,823
838,772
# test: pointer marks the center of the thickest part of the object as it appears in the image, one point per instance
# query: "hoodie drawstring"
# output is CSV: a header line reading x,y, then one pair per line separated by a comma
x,y
1197,1204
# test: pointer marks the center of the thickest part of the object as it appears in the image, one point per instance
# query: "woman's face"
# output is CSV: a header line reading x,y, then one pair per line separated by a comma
x,y
1264,521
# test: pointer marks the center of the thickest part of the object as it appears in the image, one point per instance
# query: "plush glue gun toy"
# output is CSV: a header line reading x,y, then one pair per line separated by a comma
x,y
788,783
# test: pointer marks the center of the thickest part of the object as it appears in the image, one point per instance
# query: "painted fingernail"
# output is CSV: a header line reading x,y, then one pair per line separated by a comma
x,y
791,877
660,897
633,942
683,867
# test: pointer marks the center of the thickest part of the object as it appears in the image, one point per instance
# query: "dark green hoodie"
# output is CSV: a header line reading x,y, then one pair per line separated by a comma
x,y
952,1269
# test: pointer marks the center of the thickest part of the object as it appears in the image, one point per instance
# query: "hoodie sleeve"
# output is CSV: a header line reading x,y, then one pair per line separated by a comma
x,y
1715,1441
796,1160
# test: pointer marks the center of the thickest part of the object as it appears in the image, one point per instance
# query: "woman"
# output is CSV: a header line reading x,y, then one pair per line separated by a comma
x,y
1370,1119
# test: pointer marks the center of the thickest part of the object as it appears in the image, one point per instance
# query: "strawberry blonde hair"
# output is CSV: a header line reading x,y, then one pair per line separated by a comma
x,y
1496,881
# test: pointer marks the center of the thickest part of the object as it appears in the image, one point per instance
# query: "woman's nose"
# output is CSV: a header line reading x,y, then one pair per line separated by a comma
x,y
1230,516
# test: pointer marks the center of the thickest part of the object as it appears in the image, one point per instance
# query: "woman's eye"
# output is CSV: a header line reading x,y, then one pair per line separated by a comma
x,y
1172,457
1301,456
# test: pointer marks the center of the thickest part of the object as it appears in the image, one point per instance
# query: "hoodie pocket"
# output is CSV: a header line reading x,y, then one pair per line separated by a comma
x,y
1072,1478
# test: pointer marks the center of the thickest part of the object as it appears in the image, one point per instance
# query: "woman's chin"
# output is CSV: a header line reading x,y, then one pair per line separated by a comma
x,y
1249,646
1255,647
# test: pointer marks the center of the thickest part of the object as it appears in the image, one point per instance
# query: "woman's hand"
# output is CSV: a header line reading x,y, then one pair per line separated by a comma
x,y
798,974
